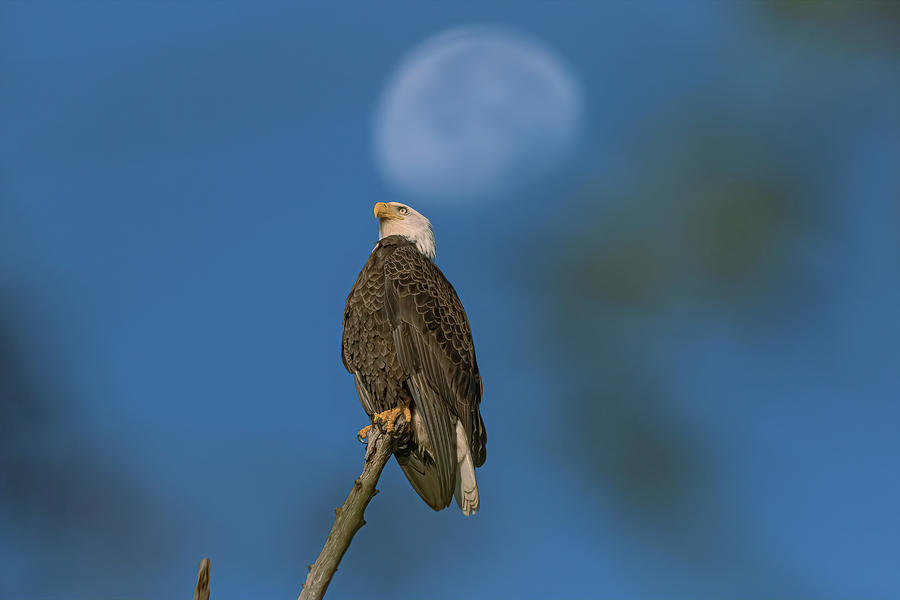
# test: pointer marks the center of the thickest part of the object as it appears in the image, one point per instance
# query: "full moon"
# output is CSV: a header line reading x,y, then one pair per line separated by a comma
x,y
475,113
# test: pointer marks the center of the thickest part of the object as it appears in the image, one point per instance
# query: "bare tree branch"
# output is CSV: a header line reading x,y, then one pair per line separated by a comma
x,y
349,517
201,590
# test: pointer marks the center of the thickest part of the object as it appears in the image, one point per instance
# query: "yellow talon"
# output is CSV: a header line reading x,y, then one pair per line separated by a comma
x,y
387,418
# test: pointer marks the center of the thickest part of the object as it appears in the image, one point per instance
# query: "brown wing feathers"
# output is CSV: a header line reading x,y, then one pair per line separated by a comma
x,y
404,324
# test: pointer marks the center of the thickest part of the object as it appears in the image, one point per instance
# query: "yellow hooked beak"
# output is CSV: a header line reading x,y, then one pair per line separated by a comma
x,y
383,211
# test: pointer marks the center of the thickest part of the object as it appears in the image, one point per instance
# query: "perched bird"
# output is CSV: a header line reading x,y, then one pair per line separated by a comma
x,y
408,344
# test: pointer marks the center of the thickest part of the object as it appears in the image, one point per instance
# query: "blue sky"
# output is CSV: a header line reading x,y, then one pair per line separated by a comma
x,y
185,201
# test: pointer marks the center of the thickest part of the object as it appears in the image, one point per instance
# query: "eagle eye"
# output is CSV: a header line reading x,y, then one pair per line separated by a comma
x,y
403,210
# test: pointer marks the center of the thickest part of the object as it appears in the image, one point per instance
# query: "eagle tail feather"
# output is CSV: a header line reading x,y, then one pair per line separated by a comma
x,y
466,487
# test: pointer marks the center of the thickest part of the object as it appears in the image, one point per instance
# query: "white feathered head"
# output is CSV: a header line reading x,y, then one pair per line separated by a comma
x,y
399,219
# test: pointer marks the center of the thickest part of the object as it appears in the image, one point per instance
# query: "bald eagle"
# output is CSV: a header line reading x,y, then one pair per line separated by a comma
x,y
408,345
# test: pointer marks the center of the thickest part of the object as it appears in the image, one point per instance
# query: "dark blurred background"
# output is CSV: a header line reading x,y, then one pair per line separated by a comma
x,y
674,228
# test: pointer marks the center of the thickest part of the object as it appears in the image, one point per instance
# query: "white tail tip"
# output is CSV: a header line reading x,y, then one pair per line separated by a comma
x,y
466,487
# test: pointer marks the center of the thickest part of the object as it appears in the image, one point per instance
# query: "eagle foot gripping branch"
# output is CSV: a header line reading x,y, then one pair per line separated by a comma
x,y
387,418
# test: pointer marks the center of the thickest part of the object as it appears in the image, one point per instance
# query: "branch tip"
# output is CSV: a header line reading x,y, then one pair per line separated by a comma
x,y
201,590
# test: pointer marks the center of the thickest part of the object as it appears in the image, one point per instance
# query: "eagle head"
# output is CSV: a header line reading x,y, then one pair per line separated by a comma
x,y
395,218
